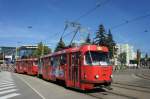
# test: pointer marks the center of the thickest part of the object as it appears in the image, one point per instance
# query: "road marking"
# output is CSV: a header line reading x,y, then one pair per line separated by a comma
x,y
8,91
32,87
4,81
7,80
9,96
7,85
7,88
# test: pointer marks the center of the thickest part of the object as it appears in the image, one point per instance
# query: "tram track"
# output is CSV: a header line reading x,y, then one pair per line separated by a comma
x,y
126,90
97,97
131,85
137,88
109,94
148,75
131,92
144,76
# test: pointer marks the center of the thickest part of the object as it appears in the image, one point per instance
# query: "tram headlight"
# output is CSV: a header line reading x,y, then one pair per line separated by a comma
x,y
111,76
97,76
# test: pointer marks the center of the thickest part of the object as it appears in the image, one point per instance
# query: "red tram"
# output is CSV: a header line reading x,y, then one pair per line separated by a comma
x,y
85,67
28,66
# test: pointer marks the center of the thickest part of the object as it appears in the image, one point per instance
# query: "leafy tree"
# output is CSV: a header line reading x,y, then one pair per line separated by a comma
x,y
88,40
146,59
146,56
60,45
105,39
122,58
138,57
111,45
1,56
41,50
74,44
101,38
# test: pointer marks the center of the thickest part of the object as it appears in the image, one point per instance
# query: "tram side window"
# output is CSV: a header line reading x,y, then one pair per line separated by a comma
x,y
56,61
63,59
88,59
52,61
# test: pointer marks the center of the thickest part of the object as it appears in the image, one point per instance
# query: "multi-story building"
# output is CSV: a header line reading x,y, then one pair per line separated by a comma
x,y
7,54
25,51
128,49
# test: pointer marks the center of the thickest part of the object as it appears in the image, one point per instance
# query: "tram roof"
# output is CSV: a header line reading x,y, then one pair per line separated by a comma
x,y
29,59
79,48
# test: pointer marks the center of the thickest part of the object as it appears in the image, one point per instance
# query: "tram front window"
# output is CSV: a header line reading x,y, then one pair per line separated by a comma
x,y
96,58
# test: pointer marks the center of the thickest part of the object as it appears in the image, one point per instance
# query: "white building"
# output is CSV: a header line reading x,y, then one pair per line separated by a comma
x,y
128,49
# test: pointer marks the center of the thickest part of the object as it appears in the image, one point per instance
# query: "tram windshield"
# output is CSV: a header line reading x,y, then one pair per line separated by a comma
x,y
96,58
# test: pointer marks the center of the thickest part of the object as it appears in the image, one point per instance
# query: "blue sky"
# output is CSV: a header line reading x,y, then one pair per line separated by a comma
x,y
47,18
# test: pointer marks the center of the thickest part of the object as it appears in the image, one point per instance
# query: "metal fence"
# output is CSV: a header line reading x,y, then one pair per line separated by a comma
x,y
7,67
124,67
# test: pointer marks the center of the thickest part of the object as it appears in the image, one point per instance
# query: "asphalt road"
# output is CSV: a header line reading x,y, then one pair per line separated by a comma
x,y
19,86
14,88
29,87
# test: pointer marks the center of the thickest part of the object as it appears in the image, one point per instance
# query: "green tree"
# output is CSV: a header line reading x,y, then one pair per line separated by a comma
x,y
122,58
146,59
111,45
146,56
73,44
88,40
138,57
60,45
101,36
105,39
41,50
1,56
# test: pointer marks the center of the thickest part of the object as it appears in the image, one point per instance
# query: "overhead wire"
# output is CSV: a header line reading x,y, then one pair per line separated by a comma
x,y
80,17
92,10
130,21
86,14
66,26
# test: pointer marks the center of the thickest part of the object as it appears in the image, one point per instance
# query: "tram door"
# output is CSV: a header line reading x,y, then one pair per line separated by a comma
x,y
74,69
